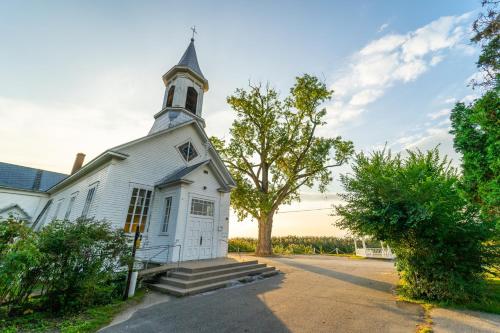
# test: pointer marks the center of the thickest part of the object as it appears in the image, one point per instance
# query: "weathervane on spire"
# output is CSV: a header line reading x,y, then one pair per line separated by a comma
x,y
193,28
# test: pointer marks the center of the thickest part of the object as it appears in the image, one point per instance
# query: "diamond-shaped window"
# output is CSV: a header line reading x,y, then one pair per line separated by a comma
x,y
187,151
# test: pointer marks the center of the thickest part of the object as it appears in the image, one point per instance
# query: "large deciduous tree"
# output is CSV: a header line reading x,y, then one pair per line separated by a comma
x,y
274,150
486,30
476,127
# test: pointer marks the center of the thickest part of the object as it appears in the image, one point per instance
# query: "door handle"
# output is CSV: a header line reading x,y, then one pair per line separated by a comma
x,y
201,240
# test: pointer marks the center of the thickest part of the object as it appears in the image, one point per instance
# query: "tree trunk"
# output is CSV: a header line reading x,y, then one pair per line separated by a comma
x,y
264,245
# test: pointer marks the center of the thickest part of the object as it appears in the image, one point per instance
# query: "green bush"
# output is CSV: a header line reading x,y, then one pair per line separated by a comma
x,y
72,265
415,205
296,245
20,261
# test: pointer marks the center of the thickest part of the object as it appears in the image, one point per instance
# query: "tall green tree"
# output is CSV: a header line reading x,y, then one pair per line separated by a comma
x,y
416,206
476,127
486,30
274,150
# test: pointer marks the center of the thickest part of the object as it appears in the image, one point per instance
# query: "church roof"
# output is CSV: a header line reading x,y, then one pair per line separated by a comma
x,y
180,174
190,60
25,178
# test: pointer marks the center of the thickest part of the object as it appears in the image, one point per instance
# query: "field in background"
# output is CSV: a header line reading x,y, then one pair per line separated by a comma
x,y
297,245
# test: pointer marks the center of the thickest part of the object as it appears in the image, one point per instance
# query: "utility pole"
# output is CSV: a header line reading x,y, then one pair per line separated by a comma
x,y
131,265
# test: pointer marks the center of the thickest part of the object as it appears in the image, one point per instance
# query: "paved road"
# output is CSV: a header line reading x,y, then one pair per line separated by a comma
x,y
316,294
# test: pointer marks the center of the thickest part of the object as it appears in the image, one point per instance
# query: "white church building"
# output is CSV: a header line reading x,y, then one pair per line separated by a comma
x,y
171,182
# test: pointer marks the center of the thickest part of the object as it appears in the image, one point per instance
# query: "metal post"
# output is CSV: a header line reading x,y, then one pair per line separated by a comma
x,y
179,260
131,264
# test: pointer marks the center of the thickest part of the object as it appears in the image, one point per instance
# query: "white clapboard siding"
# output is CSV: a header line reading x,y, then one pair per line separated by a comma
x,y
80,188
30,202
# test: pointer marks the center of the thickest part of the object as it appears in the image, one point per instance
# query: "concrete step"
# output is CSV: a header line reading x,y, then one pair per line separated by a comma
x,y
216,267
177,291
188,284
215,272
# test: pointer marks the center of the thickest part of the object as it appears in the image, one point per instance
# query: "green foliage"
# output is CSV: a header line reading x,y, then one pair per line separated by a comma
x,y
296,245
71,265
476,130
88,320
20,261
415,205
82,259
274,149
487,34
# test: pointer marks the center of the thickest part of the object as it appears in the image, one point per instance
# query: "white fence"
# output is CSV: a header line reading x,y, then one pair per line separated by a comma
x,y
375,253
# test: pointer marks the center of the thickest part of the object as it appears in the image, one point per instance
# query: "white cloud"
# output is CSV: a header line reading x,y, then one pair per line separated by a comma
x,y
383,45
450,100
365,97
468,99
436,60
393,59
439,114
429,138
58,131
383,27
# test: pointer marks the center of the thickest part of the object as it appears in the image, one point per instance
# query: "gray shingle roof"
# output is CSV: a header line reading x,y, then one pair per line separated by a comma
x,y
190,60
25,178
179,175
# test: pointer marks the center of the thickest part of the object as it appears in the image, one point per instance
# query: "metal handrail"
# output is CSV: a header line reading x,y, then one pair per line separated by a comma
x,y
162,249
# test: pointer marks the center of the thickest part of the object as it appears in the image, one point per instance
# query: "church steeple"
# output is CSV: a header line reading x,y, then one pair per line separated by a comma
x,y
185,85
190,60
188,64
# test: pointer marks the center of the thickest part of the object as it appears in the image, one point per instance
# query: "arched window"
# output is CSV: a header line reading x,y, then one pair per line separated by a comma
x,y
170,96
191,99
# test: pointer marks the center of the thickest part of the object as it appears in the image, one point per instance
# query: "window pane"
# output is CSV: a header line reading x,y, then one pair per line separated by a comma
x,y
187,151
138,210
166,217
202,207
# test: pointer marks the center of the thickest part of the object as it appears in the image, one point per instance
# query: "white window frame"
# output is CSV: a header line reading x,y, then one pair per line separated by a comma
x,y
192,145
167,214
205,202
58,208
87,205
71,203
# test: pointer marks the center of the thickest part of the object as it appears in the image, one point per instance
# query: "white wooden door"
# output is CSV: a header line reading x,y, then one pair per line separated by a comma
x,y
200,232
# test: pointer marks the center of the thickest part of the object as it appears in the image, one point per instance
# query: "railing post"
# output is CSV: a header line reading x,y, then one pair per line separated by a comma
x,y
179,259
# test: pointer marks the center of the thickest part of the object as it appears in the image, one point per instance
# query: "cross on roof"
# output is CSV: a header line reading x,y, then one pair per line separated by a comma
x,y
193,28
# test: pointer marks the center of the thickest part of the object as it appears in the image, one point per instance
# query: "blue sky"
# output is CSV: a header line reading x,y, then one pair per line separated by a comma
x,y
85,76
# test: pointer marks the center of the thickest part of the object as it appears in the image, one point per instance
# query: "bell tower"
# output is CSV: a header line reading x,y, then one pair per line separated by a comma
x,y
184,89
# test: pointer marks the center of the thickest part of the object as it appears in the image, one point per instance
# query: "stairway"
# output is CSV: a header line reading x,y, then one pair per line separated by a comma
x,y
190,281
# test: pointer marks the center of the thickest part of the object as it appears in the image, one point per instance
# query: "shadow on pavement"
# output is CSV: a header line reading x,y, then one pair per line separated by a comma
x,y
357,280
236,309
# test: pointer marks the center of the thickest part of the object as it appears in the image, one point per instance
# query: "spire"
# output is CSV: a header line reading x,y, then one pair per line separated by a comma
x,y
190,60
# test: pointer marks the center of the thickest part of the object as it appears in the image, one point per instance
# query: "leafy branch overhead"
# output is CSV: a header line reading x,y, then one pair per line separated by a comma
x,y
274,149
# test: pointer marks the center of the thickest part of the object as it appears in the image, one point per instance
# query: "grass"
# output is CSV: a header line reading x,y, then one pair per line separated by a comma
x,y
490,304
89,320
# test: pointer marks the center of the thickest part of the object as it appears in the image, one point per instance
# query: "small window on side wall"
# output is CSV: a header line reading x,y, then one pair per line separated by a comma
x,y
170,96
88,201
166,216
191,99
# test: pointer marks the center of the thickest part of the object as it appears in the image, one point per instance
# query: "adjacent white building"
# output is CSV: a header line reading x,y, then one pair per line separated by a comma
x,y
170,183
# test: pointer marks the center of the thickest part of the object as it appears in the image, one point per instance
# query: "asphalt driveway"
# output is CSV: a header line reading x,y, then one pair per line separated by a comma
x,y
315,294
